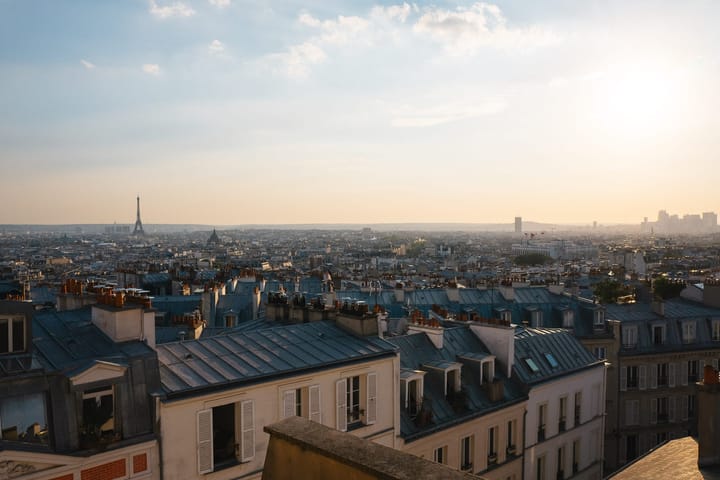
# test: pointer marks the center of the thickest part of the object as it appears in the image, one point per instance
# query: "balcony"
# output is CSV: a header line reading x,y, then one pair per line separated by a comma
x,y
492,458
511,450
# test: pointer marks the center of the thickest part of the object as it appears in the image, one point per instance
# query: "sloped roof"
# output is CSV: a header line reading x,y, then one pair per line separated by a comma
x,y
240,358
536,343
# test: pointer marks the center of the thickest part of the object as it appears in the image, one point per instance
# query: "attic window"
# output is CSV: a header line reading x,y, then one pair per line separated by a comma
x,y
532,365
551,360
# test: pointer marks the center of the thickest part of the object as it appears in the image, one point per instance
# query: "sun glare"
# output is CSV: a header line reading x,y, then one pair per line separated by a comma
x,y
639,101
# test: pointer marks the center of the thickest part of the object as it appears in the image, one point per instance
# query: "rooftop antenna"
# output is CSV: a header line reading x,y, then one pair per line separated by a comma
x,y
138,224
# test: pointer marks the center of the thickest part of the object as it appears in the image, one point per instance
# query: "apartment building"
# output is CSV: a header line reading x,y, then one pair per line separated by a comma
x,y
218,393
75,392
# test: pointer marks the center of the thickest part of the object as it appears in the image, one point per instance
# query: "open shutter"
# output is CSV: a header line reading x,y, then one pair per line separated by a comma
x,y
671,374
642,377
684,373
247,427
371,407
314,403
623,379
204,441
288,401
653,410
653,375
341,403
671,409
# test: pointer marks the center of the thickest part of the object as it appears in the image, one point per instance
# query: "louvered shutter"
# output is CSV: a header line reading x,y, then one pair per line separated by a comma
x,y
672,371
623,379
288,401
341,404
247,428
371,407
642,377
671,409
653,411
684,373
314,403
653,375
204,441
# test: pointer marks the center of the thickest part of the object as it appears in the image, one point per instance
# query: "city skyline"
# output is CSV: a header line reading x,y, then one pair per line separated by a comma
x,y
222,112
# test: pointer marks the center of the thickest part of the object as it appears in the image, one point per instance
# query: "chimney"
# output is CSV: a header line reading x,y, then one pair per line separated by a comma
x,y
500,340
708,397
434,333
658,307
453,293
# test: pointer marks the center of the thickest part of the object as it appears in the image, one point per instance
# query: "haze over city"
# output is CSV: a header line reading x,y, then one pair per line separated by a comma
x,y
227,112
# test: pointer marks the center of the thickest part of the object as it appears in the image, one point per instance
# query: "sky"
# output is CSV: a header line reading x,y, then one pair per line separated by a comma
x,y
232,112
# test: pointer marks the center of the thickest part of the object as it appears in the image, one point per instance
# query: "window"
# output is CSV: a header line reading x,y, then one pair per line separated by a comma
x,y
440,455
12,334
466,453
452,381
716,330
510,448
599,319
542,413
662,374
562,413
551,360
98,417
560,463
413,397
222,440
302,402
629,336
693,369
576,456
492,445
631,447
632,376
632,412
540,468
356,401
578,404
600,353
531,365
661,410
22,419
536,317
506,316
568,319
487,371
691,406
658,334
688,332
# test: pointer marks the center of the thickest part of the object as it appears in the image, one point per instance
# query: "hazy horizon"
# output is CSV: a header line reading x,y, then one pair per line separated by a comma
x,y
229,112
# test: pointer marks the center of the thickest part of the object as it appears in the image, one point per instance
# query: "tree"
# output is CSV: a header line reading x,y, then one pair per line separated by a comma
x,y
666,288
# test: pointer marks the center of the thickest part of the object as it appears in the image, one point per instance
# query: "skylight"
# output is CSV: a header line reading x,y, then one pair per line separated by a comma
x,y
551,360
532,365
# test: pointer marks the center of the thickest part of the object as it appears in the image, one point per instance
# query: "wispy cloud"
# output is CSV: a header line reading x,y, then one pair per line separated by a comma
x,y
220,3
176,9
87,64
216,47
151,68
444,112
393,12
465,30
296,61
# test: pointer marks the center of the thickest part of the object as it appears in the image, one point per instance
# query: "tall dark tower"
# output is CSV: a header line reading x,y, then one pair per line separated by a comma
x,y
138,224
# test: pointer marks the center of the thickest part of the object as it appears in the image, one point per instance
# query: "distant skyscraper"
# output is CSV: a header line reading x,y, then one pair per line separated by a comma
x,y
518,224
138,224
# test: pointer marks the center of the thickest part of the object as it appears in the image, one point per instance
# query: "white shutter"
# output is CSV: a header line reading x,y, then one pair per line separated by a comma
x,y
671,409
642,377
623,379
671,374
653,375
247,428
288,404
204,441
653,410
341,403
684,373
314,403
371,407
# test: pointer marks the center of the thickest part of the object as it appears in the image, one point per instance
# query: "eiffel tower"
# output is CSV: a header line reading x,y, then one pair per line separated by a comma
x,y
138,224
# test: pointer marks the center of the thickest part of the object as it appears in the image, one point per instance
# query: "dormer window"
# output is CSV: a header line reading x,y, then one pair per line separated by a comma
x,y
658,334
505,316
715,330
452,380
599,318
688,332
629,336
22,419
536,317
568,318
411,391
487,370
12,334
